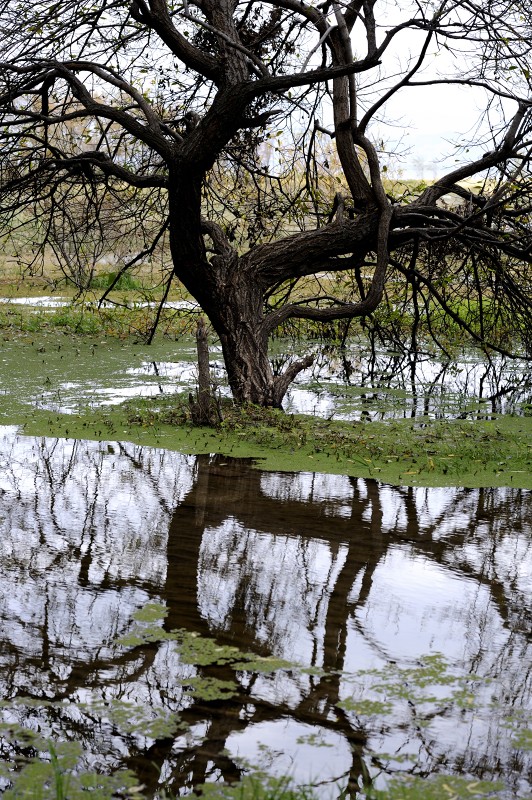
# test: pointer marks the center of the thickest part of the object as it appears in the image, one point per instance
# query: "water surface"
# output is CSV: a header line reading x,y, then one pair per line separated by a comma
x,y
341,575
67,373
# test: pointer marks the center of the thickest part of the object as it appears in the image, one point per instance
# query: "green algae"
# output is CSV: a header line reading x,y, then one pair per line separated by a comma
x,y
151,612
193,648
73,374
209,689
423,452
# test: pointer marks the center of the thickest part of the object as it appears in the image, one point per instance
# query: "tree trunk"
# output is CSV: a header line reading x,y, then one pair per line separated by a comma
x,y
238,320
233,302
232,297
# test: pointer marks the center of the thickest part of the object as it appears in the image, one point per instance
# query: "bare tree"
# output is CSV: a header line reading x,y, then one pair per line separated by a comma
x,y
207,122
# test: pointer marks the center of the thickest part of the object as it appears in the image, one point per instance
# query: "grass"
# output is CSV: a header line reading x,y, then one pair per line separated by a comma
x,y
119,322
125,282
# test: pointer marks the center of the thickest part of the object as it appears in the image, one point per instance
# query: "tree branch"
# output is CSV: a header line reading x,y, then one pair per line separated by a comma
x,y
493,159
158,19
281,82
306,253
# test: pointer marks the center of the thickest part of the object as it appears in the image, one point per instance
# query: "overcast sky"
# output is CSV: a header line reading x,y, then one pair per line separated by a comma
x,y
429,119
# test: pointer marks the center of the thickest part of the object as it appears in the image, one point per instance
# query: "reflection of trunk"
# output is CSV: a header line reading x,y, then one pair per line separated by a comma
x,y
359,559
227,492
184,543
229,489
226,489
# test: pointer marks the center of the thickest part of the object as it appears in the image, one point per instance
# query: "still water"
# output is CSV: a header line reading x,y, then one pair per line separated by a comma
x,y
339,594
66,374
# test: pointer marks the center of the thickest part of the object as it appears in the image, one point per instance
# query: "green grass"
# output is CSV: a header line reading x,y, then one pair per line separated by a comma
x,y
119,322
125,282
427,452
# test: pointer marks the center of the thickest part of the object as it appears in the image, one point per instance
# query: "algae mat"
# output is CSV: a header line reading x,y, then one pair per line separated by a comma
x,y
76,387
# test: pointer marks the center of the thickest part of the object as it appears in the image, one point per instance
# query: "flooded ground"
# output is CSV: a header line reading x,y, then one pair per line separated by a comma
x,y
190,619
66,373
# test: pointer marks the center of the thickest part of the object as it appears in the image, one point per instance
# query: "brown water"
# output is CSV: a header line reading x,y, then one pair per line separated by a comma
x,y
323,571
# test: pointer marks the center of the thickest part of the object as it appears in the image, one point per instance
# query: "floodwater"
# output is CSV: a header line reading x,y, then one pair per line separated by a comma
x,y
339,594
65,374
52,302
353,382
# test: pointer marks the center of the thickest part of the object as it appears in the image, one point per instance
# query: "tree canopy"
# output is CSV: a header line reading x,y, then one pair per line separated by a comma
x,y
248,140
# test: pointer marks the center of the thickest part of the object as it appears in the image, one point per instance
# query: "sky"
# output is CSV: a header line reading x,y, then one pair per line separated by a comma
x,y
429,120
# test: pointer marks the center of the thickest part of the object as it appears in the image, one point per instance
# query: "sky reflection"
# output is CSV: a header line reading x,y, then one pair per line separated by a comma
x,y
330,572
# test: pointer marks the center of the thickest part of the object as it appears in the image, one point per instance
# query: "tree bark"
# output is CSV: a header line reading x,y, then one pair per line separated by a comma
x,y
244,339
231,294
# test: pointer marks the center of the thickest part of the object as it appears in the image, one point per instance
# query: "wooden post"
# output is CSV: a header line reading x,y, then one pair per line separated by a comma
x,y
203,410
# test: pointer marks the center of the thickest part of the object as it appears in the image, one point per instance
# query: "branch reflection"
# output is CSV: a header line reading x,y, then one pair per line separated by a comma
x,y
333,573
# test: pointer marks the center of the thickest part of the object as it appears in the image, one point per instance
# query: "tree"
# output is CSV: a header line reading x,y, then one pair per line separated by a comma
x,y
205,123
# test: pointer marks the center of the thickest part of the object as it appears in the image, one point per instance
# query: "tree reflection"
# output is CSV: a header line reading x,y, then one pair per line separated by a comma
x,y
333,573
408,383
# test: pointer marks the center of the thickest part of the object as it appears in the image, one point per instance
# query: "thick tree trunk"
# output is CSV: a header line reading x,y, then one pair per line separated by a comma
x,y
249,370
237,317
231,295
234,308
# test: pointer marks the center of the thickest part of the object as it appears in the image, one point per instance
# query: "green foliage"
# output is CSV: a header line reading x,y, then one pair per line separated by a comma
x,y
256,786
53,773
438,787
126,281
